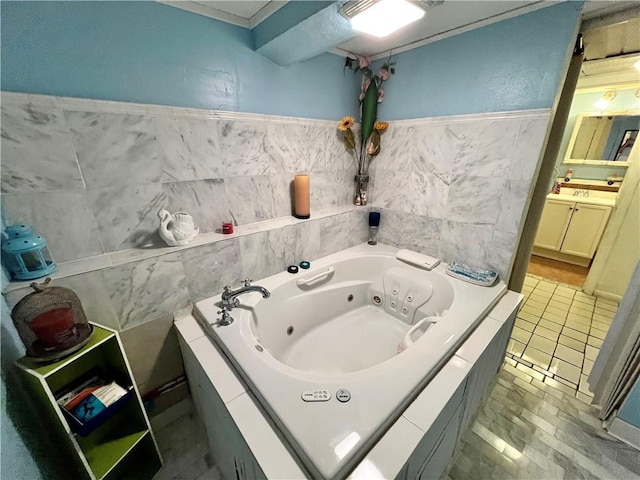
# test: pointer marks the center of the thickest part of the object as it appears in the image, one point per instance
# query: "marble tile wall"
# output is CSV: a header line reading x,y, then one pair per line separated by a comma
x,y
458,187
91,177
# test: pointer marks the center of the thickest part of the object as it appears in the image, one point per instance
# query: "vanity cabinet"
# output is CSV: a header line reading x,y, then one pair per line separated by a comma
x,y
123,445
572,228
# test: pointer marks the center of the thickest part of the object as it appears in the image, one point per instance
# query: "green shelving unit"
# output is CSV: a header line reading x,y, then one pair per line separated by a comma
x,y
121,447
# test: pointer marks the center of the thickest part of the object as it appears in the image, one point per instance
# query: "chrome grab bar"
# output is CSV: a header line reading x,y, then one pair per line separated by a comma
x,y
306,281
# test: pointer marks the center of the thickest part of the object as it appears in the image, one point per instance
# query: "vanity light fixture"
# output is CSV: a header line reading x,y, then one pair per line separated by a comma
x,y
607,97
637,65
380,18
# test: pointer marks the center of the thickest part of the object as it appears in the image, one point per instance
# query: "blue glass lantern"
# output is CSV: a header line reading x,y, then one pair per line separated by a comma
x,y
25,254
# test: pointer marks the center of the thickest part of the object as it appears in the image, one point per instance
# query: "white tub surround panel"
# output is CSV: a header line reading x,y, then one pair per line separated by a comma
x,y
472,173
421,442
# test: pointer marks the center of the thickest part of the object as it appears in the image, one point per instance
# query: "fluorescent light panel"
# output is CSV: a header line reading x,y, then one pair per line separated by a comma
x,y
386,16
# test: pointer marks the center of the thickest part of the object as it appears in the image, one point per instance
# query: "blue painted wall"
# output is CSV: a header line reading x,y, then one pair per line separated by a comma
x,y
152,53
585,103
630,411
512,65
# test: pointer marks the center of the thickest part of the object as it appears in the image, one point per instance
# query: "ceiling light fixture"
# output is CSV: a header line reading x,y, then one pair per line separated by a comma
x,y
637,65
380,18
607,97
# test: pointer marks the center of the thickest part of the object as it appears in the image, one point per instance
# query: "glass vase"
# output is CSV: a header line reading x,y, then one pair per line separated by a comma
x,y
362,189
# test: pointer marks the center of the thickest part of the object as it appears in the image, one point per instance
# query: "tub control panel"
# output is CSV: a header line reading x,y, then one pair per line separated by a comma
x,y
316,396
342,395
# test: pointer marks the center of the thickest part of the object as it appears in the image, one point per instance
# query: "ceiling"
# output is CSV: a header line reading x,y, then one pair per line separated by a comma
x,y
612,47
602,39
244,13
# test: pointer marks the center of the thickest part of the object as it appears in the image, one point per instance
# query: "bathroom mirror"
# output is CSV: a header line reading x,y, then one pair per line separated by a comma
x,y
603,139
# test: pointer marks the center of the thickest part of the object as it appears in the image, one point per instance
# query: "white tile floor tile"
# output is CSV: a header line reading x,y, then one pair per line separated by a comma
x,y
528,317
552,308
565,370
575,334
523,324
581,327
587,366
543,344
555,318
520,335
537,357
594,341
515,347
561,300
591,353
594,332
546,333
569,355
571,343
556,327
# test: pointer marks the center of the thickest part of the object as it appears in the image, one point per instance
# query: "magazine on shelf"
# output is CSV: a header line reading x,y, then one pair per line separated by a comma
x,y
89,396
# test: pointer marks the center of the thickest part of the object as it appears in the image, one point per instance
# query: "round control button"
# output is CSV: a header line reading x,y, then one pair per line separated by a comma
x,y
343,395
292,269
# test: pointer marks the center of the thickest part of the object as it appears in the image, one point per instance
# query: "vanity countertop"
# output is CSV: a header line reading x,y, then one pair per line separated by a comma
x,y
607,202
596,192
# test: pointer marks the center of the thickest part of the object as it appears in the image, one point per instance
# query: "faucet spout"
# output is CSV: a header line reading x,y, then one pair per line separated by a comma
x,y
229,296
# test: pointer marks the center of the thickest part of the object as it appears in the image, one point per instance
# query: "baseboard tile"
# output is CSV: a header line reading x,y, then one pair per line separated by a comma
x,y
625,432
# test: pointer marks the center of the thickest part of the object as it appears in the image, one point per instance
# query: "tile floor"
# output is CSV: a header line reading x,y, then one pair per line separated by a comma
x,y
529,429
185,450
558,334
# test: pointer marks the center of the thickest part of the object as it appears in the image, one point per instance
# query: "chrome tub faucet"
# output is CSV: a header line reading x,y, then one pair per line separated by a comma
x,y
230,299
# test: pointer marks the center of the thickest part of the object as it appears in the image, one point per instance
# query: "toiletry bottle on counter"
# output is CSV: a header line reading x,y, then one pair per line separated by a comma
x,y
568,175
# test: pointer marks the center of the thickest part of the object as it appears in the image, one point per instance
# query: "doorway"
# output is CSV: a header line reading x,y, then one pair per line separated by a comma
x,y
564,318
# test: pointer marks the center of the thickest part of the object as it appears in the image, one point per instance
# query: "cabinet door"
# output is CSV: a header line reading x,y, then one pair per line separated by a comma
x,y
553,224
585,230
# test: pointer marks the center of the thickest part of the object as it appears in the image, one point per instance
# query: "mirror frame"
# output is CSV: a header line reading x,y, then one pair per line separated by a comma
x,y
574,135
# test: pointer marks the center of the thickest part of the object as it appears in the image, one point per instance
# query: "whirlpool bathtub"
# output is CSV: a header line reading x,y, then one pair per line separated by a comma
x,y
337,352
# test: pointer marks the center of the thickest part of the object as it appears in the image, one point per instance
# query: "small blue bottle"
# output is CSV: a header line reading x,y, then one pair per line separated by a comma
x,y
374,223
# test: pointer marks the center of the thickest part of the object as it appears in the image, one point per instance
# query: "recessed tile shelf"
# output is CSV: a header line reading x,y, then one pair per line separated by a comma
x,y
99,262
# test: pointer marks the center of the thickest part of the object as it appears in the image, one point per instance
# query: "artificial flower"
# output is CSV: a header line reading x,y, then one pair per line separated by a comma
x,y
346,123
367,147
380,126
363,62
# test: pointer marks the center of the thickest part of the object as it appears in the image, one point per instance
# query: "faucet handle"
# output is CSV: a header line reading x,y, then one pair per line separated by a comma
x,y
247,282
